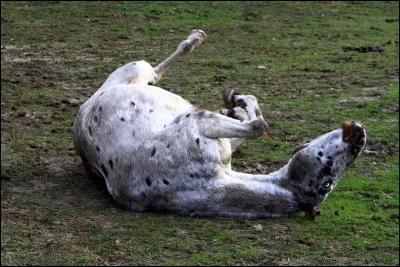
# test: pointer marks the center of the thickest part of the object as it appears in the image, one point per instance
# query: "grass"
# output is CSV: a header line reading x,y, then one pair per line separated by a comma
x,y
53,214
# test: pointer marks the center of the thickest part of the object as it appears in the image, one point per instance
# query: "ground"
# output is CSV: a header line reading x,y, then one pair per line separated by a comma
x,y
312,65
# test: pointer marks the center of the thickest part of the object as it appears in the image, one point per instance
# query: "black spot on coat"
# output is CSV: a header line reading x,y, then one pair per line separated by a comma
x,y
110,162
327,170
148,182
122,119
320,153
90,131
329,163
104,170
165,182
200,114
242,104
194,175
98,149
153,152
197,140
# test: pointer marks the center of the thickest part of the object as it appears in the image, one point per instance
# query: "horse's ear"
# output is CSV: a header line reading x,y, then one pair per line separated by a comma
x,y
297,149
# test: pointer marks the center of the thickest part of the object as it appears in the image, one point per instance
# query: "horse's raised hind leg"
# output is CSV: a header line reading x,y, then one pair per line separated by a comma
x,y
141,72
196,38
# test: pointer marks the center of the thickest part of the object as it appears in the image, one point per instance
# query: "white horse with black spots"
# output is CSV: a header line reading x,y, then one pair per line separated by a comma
x,y
156,151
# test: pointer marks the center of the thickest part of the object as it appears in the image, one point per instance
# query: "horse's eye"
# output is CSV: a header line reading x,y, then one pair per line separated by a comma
x,y
326,185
